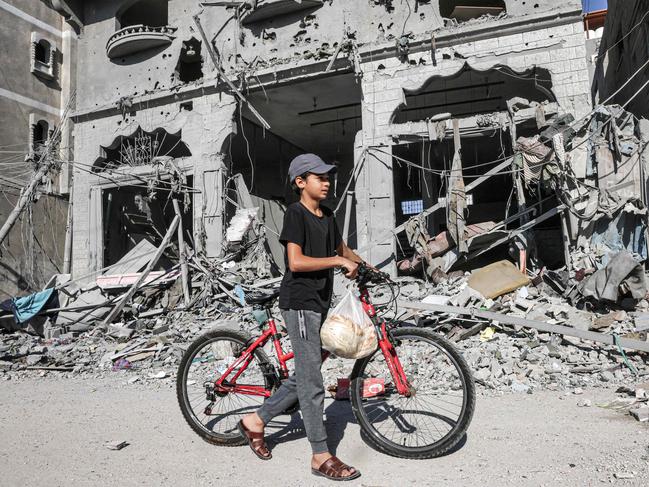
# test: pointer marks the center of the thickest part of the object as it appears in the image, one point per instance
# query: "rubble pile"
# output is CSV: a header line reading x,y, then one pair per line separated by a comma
x,y
503,358
67,328
520,326
149,347
511,358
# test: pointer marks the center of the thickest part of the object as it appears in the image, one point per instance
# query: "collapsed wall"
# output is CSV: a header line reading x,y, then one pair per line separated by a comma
x,y
318,85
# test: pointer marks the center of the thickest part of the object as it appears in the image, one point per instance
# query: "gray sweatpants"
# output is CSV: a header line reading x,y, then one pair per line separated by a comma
x,y
305,384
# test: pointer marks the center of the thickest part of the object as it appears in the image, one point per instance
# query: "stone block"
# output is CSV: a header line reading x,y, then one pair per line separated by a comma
x,y
537,58
381,119
579,52
535,35
389,95
575,40
559,66
641,414
559,31
511,40
561,78
387,106
578,64
558,55
578,28
486,45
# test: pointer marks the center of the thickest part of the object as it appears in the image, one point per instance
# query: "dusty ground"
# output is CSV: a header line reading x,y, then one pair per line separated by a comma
x,y
53,433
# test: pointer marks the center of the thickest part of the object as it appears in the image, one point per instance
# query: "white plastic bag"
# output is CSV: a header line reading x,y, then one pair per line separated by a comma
x,y
348,332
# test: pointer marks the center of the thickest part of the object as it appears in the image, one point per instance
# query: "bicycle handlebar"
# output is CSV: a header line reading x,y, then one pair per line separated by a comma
x,y
368,275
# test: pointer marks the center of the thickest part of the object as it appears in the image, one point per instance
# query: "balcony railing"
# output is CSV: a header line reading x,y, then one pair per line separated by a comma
x,y
136,38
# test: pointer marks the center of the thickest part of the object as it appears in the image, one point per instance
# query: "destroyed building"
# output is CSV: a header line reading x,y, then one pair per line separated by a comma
x,y
369,84
36,83
624,52
475,163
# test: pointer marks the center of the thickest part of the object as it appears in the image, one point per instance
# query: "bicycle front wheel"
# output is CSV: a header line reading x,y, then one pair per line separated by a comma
x,y
436,414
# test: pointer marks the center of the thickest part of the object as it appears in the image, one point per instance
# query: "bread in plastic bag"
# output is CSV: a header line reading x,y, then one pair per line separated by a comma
x,y
348,332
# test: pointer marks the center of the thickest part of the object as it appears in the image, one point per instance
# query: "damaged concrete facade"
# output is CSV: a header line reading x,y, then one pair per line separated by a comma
x,y
624,51
472,164
36,46
354,82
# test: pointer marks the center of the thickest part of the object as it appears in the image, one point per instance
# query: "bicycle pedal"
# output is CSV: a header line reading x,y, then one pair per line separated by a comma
x,y
208,409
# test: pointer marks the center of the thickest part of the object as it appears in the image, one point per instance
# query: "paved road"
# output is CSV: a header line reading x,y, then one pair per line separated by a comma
x,y
52,433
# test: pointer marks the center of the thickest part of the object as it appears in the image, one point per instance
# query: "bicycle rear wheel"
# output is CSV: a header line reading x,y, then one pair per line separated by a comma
x,y
437,414
214,415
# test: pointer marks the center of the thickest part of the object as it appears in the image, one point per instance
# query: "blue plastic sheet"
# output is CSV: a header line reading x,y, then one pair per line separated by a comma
x,y
29,306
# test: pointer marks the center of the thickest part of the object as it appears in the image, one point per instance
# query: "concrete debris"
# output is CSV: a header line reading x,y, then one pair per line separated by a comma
x,y
241,222
509,358
641,414
154,326
116,445
624,475
533,251
497,279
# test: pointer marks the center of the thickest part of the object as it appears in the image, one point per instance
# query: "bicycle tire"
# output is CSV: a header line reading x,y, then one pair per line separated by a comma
x,y
457,432
232,336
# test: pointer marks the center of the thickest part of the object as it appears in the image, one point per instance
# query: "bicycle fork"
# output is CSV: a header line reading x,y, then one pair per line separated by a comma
x,y
394,364
387,348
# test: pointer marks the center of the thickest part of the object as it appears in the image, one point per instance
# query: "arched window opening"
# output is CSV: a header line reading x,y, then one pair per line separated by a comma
x,y
43,57
42,51
40,134
141,148
153,13
472,92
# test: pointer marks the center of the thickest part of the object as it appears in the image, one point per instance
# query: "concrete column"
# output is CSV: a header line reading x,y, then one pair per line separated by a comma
x,y
380,200
374,187
95,230
209,207
67,79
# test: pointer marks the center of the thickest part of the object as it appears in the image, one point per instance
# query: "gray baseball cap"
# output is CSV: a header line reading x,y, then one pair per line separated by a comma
x,y
309,163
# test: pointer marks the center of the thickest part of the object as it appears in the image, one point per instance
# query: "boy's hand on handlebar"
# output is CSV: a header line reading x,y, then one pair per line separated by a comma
x,y
373,274
371,267
350,268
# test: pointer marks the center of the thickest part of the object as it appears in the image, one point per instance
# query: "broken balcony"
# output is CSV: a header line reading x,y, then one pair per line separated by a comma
x,y
136,38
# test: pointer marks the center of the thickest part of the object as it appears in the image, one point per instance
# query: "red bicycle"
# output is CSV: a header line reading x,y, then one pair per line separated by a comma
x,y
413,397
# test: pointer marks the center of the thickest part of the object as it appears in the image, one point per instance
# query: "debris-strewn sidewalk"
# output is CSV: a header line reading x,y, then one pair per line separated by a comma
x,y
521,327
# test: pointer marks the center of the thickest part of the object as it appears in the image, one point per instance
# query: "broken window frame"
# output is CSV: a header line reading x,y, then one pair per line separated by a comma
x,y
136,151
447,9
184,64
409,132
133,176
120,22
501,70
36,123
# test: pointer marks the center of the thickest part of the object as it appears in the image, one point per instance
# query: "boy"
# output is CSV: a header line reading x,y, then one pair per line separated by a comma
x,y
313,249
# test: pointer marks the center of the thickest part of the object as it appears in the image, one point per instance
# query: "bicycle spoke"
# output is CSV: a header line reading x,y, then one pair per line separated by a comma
x,y
437,399
227,408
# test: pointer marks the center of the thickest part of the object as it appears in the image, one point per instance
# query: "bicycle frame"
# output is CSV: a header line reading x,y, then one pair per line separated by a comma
x,y
225,385
386,346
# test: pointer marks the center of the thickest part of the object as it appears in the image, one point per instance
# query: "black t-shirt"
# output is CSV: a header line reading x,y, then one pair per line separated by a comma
x,y
318,237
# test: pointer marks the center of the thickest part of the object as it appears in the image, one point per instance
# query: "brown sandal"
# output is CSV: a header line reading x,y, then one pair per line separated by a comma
x,y
333,469
255,441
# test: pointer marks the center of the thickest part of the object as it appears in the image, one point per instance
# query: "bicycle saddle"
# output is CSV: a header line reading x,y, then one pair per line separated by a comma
x,y
261,298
